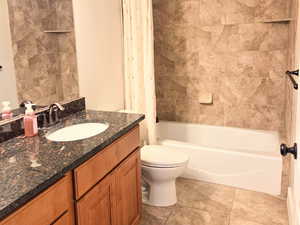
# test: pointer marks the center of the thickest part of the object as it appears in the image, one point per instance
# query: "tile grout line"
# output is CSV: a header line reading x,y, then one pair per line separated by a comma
x,y
168,217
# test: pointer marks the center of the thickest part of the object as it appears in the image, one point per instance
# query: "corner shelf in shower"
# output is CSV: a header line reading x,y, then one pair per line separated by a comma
x,y
283,20
57,31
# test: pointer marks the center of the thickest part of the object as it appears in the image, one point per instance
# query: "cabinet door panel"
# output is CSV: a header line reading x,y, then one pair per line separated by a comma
x,y
95,207
127,191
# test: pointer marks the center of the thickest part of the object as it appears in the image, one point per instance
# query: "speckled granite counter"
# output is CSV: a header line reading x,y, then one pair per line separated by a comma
x,y
29,166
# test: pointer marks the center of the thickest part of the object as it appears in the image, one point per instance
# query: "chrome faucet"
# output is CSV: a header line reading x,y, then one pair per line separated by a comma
x,y
53,113
50,116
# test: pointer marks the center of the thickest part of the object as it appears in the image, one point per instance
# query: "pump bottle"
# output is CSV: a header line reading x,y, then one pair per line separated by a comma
x,y
30,121
6,111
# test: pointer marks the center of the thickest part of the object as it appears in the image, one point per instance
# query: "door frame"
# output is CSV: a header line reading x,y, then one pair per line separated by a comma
x,y
293,209
293,201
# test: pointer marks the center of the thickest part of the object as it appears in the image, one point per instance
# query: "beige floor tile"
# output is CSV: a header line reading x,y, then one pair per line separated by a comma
x,y
239,221
205,196
201,203
155,215
190,216
257,208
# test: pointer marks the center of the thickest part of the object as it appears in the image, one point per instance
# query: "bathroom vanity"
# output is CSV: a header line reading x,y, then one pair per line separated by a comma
x,y
86,182
92,181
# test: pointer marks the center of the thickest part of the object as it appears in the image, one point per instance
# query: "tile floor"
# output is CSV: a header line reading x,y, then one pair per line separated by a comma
x,y
201,203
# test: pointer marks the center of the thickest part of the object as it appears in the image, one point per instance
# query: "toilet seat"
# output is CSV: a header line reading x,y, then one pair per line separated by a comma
x,y
162,157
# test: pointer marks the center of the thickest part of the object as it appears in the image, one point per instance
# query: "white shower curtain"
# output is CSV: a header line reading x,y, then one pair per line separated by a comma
x,y
139,64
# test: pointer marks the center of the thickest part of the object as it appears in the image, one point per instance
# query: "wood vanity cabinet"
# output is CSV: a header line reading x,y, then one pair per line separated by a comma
x,y
116,199
107,191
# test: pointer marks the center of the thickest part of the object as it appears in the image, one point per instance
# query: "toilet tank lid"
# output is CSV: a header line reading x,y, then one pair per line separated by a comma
x,y
158,155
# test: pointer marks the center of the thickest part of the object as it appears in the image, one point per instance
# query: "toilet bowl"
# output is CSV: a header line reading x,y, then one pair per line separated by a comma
x,y
160,168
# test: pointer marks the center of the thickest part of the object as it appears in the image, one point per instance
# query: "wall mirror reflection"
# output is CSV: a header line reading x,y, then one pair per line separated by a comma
x,y
42,62
37,65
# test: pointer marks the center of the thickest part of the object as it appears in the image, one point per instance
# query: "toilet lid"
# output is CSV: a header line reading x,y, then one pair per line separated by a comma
x,y
161,156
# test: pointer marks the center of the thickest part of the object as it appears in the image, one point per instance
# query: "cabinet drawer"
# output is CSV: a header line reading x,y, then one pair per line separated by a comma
x,y
47,207
127,144
93,170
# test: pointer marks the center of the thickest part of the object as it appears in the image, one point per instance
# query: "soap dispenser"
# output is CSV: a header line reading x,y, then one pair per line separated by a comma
x,y
6,111
30,121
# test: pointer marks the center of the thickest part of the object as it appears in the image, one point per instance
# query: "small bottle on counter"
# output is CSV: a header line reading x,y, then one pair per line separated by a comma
x,y
30,121
6,111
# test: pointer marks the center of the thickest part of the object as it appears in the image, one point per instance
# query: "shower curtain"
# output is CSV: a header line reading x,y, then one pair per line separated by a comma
x,y
139,64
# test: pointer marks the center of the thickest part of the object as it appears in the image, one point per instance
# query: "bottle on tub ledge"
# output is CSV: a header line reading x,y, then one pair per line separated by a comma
x,y
30,121
6,111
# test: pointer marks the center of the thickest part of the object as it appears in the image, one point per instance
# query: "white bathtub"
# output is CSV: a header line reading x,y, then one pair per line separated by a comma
x,y
236,157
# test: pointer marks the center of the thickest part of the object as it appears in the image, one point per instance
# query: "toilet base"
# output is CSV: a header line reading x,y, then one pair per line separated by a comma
x,y
161,194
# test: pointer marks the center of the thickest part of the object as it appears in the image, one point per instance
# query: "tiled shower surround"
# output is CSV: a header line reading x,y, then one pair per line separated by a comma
x,y
45,63
221,47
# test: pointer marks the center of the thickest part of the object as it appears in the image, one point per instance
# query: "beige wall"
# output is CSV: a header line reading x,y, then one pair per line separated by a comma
x,y
45,63
220,47
98,26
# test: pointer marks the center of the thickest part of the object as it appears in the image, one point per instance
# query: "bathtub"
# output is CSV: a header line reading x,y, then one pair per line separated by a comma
x,y
242,158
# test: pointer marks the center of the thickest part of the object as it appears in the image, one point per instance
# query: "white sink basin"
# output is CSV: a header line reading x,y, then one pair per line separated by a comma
x,y
77,132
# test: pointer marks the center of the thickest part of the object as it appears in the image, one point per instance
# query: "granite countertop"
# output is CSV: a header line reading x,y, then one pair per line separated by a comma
x,y
29,166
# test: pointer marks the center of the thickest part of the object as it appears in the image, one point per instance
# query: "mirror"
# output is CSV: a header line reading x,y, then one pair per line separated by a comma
x,y
43,63
8,88
37,52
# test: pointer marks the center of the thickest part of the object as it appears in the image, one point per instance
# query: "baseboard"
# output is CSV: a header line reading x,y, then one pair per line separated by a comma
x,y
293,211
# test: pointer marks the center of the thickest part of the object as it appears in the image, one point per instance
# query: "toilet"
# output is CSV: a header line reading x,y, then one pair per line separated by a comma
x,y
161,166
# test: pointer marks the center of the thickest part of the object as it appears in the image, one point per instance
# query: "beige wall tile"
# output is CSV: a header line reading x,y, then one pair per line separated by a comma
x,y
272,9
220,49
238,12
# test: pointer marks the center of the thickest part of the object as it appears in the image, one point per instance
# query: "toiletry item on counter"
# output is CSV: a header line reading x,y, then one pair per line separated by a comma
x,y
30,121
6,111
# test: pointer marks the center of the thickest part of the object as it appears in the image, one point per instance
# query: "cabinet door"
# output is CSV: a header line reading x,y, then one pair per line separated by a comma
x,y
127,191
95,207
